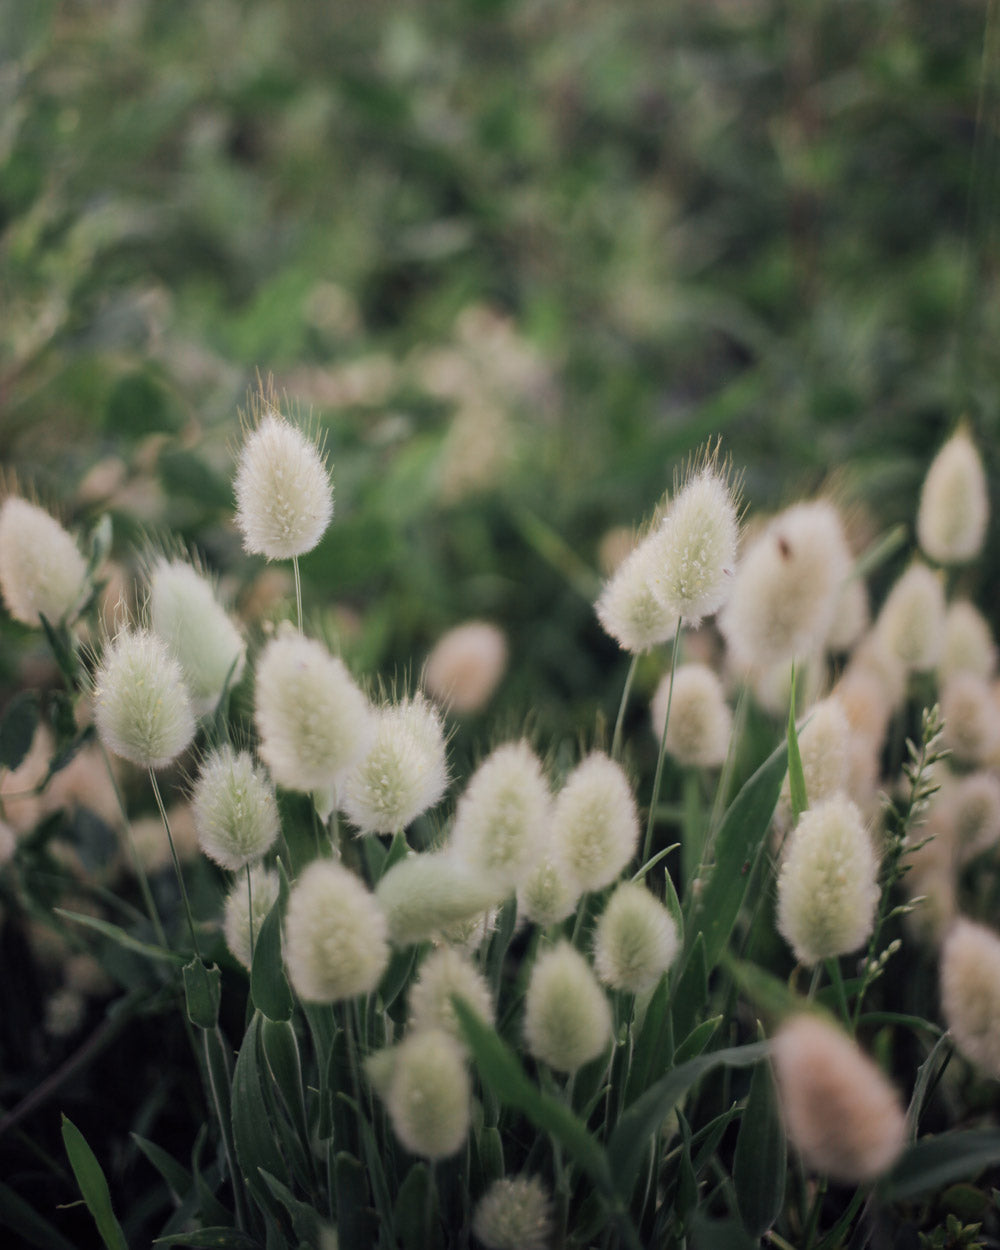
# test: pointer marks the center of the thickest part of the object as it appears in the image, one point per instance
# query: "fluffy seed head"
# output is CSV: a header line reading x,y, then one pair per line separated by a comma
x,y
236,918
825,747
850,615
466,665
234,807
971,718
635,941
827,888
428,1095
700,719
515,1213
975,800
911,622
695,548
141,706
426,894
548,892
567,1019
404,772
185,613
314,722
335,942
970,992
787,587
443,973
840,1112
42,572
284,500
954,506
595,824
629,610
968,642
502,819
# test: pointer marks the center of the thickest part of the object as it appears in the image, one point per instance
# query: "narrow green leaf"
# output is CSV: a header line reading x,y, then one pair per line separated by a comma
x,y
710,1234
178,1179
501,1071
925,1073
268,985
211,1239
691,992
32,1228
93,1186
306,1223
696,1040
281,1054
253,1134
218,1065
796,773
653,1051
112,931
934,1162
202,993
641,1120
61,642
356,1222
736,847
760,1162
414,1218
17,729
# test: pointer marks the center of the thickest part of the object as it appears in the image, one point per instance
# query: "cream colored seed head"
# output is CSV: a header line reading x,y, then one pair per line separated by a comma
x,y
466,665
971,719
515,1213
700,720
970,992
911,623
428,1094
548,893
236,917
42,572
567,1019
841,1113
628,608
635,941
426,894
447,971
954,504
824,745
968,642
235,811
595,822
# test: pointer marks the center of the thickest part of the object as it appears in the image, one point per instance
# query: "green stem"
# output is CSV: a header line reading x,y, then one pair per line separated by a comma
x,y
658,776
177,863
616,741
250,912
298,591
140,871
833,968
813,1222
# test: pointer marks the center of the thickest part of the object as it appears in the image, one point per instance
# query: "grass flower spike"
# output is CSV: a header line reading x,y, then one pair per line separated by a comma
x,y
404,772
954,503
428,1094
911,623
629,610
970,992
185,613
515,1213
141,705
635,941
695,547
827,888
595,824
42,572
700,719
567,1019
968,642
314,722
466,665
236,917
444,972
234,808
841,1113
284,500
548,892
425,895
335,941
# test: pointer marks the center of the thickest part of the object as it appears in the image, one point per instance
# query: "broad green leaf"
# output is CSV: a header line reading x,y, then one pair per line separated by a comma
x,y
691,993
17,729
202,993
696,1040
268,985
760,1162
281,1054
641,1120
211,1239
654,1047
178,1179
32,1228
93,1186
736,847
356,1221
253,1134
306,1223
934,1162
112,931
410,1212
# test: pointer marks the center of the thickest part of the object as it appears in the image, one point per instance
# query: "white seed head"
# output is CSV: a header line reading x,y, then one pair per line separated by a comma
x,y
971,718
424,895
235,811
466,665
911,623
772,686
284,500
700,719
629,610
787,587
968,642
695,548
515,1213
595,823
548,892
567,1019
954,505
404,772
335,941
447,971
236,917
825,748
975,800
42,572
314,722
850,615
141,705
635,941
841,1113
970,992
428,1094
827,890
185,613
502,819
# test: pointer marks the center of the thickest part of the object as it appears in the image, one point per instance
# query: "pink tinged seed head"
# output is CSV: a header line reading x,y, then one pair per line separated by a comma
x,y
954,503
